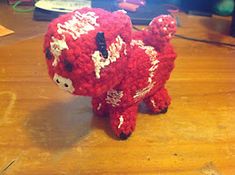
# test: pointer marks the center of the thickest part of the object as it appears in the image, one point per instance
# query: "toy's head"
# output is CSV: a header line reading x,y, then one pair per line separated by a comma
x,y
87,50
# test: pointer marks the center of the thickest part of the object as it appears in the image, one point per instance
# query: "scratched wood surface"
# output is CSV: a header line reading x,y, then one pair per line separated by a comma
x,y
44,130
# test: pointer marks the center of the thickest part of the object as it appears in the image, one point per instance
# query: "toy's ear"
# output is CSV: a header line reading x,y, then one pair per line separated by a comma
x,y
122,18
124,23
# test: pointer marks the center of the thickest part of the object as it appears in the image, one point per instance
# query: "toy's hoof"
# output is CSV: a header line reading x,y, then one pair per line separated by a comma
x,y
101,115
163,111
124,136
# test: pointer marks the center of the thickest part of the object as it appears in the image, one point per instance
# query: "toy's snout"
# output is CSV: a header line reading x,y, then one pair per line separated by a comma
x,y
64,83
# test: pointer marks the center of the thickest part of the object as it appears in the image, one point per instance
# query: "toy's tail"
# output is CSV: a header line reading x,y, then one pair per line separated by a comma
x,y
161,29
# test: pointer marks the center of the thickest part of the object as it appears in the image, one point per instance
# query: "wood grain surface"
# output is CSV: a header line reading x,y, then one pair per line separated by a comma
x,y
21,23
44,130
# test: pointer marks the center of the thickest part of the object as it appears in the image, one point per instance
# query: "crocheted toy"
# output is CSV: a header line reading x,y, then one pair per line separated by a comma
x,y
93,52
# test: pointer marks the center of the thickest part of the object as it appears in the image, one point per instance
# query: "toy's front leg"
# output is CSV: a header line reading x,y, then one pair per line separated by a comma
x,y
159,102
123,121
99,106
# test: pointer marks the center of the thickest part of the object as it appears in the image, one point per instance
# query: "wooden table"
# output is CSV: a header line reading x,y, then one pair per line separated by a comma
x,y
22,23
44,130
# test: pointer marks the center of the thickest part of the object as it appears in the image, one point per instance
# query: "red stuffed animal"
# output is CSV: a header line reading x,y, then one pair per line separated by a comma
x,y
93,52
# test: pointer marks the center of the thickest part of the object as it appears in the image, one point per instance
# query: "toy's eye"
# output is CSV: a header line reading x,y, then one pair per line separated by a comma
x,y
57,81
48,54
68,66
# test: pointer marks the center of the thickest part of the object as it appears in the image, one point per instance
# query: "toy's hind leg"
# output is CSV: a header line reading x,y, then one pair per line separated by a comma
x,y
159,102
123,121
100,107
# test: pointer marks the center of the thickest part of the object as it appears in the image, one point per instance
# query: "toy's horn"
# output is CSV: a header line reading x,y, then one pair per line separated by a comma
x,y
101,44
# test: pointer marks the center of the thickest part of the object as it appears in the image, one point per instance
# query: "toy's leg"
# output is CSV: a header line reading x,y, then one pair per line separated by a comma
x,y
99,107
159,102
123,121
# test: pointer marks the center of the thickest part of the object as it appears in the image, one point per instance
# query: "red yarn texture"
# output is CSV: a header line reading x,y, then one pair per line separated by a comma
x,y
137,68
